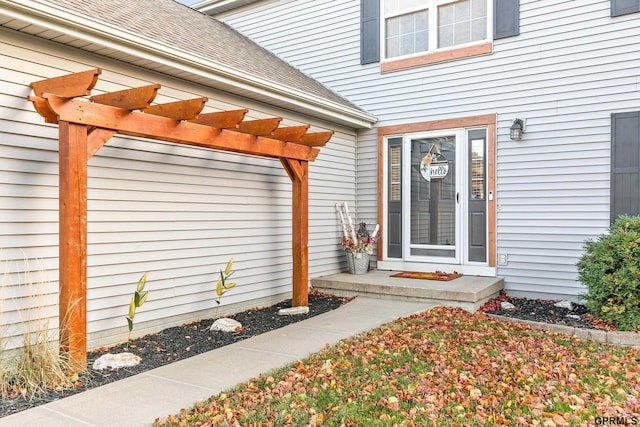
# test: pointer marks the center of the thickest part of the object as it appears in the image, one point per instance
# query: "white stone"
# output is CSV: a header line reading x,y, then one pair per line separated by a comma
x,y
226,324
115,361
572,316
564,304
506,305
293,310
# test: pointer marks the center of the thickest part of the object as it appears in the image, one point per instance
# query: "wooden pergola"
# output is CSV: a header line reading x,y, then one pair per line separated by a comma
x,y
85,125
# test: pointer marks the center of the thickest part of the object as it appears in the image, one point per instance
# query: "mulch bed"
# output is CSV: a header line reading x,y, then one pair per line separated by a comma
x,y
177,343
546,311
180,342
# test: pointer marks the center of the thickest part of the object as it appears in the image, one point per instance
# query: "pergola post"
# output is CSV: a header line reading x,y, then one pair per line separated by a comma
x,y
73,243
298,171
300,239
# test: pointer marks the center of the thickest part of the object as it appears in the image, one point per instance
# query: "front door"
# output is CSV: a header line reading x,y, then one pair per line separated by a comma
x,y
432,198
436,200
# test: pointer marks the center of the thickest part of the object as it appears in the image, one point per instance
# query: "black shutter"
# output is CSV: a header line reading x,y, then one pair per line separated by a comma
x,y
369,31
394,198
623,7
625,164
477,201
506,18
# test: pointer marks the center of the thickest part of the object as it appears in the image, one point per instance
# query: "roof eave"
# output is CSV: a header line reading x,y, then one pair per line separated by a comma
x,y
215,7
44,14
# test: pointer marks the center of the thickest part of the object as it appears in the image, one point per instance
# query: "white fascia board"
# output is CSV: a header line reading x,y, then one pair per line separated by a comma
x,y
214,7
95,31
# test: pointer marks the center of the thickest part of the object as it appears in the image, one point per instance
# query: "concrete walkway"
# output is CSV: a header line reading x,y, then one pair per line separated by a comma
x,y
139,400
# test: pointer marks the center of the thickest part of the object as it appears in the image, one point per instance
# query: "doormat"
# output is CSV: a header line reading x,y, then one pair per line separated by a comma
x,y
431,275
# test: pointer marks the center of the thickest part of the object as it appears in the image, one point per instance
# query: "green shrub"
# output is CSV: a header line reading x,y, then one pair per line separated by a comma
x,y
610,269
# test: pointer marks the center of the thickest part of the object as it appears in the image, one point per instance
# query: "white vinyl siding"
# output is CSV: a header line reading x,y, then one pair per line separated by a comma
x,y
178,213
571,67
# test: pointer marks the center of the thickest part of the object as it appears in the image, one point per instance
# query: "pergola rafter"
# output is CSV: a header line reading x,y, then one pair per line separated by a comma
x,y
85,125
138,98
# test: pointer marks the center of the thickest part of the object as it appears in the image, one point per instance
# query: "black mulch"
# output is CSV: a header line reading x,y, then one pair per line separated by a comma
x,y
177,343
545,311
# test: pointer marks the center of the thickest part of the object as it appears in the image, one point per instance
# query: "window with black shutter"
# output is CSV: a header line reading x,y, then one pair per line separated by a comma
x,y
390,29
625,164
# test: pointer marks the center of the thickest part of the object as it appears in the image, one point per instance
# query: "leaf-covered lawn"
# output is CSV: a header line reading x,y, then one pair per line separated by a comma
x,y
443,367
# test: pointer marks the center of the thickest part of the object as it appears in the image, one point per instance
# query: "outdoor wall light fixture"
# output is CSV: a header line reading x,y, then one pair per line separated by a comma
x,y
516,130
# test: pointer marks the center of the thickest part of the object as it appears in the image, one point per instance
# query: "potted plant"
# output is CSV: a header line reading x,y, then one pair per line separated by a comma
x,y
357,242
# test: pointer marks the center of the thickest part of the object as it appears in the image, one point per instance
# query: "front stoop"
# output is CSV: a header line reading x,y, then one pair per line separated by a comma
x,y
467,292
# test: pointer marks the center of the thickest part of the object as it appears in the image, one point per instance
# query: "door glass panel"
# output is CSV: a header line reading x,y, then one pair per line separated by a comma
x,y
433,197
477,169
395,169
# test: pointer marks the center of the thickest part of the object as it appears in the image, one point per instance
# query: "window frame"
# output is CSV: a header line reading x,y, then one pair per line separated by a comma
x,y
431,6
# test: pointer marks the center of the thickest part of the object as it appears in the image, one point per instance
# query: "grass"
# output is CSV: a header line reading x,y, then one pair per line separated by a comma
x,y
442,367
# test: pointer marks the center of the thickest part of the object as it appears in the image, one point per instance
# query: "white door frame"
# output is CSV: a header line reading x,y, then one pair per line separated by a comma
x,y
415,263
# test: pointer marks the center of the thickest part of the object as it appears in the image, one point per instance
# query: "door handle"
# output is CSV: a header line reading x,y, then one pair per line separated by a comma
x,y
458,198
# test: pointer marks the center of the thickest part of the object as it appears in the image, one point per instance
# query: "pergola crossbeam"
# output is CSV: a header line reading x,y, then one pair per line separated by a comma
x,y
316,139
70,86
178,110
290,133
221,119
87,125
151,126
138,98
261,127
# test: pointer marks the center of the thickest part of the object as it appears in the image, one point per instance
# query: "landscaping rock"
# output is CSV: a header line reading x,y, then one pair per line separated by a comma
x,y
293,310
115,361
226,324
564,304
505,305
572,316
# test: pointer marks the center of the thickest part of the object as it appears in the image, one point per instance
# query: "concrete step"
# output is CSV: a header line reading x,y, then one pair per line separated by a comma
x,y
467,292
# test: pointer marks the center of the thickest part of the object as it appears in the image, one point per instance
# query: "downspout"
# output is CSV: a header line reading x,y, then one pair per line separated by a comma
x,y
356,172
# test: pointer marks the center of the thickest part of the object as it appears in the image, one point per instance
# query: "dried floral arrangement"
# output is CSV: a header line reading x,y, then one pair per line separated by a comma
x,y
355,239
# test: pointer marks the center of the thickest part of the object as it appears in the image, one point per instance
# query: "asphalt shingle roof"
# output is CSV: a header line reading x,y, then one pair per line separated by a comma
x,y
193,32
